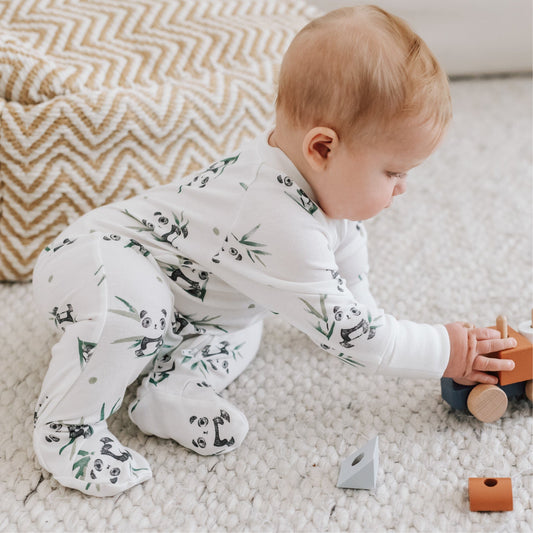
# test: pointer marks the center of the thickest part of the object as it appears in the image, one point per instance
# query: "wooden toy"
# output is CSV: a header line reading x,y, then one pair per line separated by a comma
x,y
490,494
501,326
489,402
360,469
522,354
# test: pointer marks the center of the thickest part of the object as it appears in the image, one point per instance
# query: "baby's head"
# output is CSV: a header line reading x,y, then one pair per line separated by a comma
x,y
360,77
360,70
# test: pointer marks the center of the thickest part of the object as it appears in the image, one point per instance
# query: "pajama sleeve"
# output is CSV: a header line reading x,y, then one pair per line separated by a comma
x,y
351,256
280,252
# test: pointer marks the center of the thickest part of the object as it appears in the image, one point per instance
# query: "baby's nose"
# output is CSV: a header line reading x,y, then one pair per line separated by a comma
x,y
400,188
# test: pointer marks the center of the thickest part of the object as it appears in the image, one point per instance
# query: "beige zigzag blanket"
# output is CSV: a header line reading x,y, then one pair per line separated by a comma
x,y
99,100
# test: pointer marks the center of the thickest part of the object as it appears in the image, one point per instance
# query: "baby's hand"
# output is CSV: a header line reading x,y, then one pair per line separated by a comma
x,y
468,363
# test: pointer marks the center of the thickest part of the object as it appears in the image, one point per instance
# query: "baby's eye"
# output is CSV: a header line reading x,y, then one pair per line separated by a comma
x,y
398,175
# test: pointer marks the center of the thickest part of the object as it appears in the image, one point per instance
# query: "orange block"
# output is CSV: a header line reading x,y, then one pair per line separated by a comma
x,y
522,355
490,494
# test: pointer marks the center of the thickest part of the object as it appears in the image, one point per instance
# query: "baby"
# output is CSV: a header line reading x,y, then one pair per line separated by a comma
x,y
178,280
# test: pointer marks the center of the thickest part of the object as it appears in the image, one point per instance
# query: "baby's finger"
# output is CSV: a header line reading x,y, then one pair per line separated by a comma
x,y
495,345
492,364
480,377
487,333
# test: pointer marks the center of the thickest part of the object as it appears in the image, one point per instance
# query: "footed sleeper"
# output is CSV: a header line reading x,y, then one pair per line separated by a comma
x,y
177,281
116,316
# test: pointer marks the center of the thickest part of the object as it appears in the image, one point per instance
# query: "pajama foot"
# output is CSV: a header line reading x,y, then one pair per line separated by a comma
x,y
89,458
197,418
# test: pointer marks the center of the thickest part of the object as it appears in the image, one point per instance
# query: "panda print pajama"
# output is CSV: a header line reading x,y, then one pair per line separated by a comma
x,y
174,284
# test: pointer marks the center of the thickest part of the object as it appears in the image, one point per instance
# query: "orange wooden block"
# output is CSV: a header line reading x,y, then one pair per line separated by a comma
x,y
522,355
490,494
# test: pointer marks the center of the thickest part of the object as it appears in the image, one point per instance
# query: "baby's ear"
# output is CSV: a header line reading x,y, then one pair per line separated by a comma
x,y
318,145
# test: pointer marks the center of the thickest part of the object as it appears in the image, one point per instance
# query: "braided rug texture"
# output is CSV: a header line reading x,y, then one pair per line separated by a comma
x,y
458,245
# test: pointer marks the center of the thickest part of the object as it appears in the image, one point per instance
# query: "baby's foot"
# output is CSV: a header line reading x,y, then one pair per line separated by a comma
x,y
197,417
89,458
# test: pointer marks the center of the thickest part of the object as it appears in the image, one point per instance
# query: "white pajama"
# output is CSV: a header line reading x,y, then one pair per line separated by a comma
x,y
183,275
116,314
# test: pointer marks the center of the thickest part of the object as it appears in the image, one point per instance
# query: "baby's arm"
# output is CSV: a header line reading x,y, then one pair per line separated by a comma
x,y
468,363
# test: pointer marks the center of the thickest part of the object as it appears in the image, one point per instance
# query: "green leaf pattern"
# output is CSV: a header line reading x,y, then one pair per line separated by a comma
x,y
214,171
240,247
338,332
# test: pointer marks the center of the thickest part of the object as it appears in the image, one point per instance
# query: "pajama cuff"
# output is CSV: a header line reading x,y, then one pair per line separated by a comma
x,y
419,351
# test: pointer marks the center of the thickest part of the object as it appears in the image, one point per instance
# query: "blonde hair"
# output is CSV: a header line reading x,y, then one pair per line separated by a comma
x,y
360,70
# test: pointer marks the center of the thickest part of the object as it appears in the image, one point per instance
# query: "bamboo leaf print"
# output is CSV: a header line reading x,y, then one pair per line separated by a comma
x,y
130,307
310,309
323,306
206,321
114,407
245,238
349,361
136,341
322,326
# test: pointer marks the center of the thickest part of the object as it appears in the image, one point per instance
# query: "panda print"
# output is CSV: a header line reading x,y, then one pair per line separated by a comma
x,y
105,466
217,356
63,316
214,171
352,325
185,327
56,246
242,248
297,194
85,351
153,324
189,276
212,357
165,227
231,247
131,243
164,364
58,433
338,278
207,431
149,346
136,245
111,237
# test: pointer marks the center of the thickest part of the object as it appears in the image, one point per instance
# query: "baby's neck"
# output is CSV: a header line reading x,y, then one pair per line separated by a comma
x,y
290,143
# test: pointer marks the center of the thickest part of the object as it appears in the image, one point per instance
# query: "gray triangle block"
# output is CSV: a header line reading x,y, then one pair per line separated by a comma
x,y
360,469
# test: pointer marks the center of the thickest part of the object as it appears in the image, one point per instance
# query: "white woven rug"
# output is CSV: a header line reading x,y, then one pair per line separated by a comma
x,y
457,246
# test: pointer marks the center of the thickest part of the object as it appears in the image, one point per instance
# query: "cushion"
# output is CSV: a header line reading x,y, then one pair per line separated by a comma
x,y
100,101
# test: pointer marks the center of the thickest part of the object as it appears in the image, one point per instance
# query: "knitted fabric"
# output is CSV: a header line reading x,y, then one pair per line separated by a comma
x,y
456,246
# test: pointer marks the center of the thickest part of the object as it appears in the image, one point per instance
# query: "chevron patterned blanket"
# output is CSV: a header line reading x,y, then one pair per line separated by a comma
x,y
100,100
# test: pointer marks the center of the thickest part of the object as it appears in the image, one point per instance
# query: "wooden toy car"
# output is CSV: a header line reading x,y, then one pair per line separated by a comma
x,y
488,403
